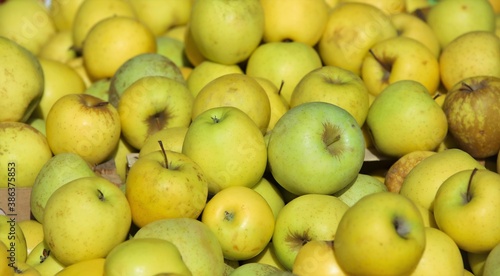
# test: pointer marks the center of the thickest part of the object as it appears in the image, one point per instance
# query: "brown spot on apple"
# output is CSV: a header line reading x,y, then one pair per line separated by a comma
x,y
331,135
297,240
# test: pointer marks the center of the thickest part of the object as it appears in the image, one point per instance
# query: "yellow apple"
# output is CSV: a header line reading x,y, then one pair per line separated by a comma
x,y
492,262
77,64
309,20
173,49
362,186
119,156
12,236
33,233
388,6
236,90
83,124
5,268
277,102
42,260
427,216
83,268
207,71
63,13
352,29
271,194
58,47
26,270
172,139
402,166
266,256
476,261
317,258
193,54
410,25
414,5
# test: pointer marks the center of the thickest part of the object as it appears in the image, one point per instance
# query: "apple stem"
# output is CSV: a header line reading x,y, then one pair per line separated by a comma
x,y
384,65
465,87
164,153
469,196
100,195
281,87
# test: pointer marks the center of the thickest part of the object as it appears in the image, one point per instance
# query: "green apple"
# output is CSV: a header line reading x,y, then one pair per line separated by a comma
x,y
467,208
305,218
83,124
316,147
227,32
198,245
451,18
164,102
241,219
492,263
317,258
37,123
476,261
12,236
472,110
424,179
255,269
25,78
271,194
207,71
266,256
380,224
286,62
57,171
24,152
99,89
165,184
173,49
334,85
405,118
362,186
229,147
145,257
85,219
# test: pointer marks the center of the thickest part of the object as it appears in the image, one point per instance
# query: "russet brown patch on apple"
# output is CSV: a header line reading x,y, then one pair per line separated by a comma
x,y
331,135
297,240
158,121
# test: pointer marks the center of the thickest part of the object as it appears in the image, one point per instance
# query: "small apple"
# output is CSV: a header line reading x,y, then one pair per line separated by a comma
x,y
266,256
400,168
492,263
410,25
271,194
83,268
277,102
476,261
255,269
207,71
317,258
42,260
63,13
172,139
362,186
12,236
59,47
380,224
33,233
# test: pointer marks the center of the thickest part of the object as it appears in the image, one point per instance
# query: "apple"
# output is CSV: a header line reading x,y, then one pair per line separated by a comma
x,y
198,245
388,6
458,62
255,269
85,125
63,13
451,18
277,102
401,167
380,224
99,89
334,85
266,256
171,137
173,49
165,184
362,186
25,78
147,256
226,32
316,147
404,118
441,255
99,203
305,218
5,268
241,219
492,263
425,178
317,258
12,236
42,260
286,62
165,103
271,194
471,108
387,63
476,261
351,30
229,147
237,90
26,270
88,267
58,47
465,208
309,20
33,233
207,71
411,26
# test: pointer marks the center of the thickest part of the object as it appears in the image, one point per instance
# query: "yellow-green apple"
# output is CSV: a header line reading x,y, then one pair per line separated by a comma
x,y
362,186
451,18
22,87
256,269
380,224
228,146
303,28
388,6
59,79
77,64
198,245
457,62
193,54
227,32
88,267
99,89
58,47
104,43
173,49
13,237
63,13
24,152
162,15
99,203
164,102
241,219
5,268
404,118
401,167
411,26
165,184
413,6
207,71
33,233
492,262
476,261
171,137
85,125
143,65
441,255
26,22
37,123
286,62
147,256
91,12
266,256
277,102
387,63
120,160
26,270
43,261
271,194
352,29
317,258
427,216
303,219
466,207
334,85
237,90
472,108
316,147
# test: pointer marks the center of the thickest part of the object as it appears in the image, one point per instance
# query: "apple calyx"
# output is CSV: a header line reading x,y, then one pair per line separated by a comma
x,y
385,65
401,226
215,119
331,135
165,159
468,196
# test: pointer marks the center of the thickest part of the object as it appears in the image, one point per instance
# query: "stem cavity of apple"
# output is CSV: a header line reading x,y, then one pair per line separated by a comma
x,y
215,119
100,195
468,195
164,153
331,135
402,228
466,88
387,67
228,216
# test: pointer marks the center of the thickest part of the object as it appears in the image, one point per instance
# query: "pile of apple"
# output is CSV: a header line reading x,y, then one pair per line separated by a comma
x,y
250,137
